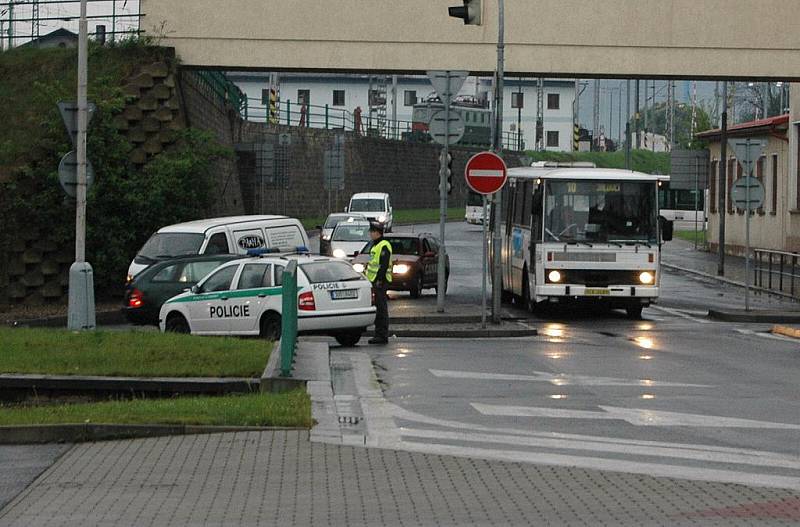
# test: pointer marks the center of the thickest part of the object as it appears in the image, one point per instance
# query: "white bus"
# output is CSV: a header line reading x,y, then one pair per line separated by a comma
x,y
577,233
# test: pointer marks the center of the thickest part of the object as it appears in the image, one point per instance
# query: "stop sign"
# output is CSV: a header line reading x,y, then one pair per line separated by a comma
x,y
486,173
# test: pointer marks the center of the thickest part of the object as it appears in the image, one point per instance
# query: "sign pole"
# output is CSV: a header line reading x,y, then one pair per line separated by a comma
x,y
485,263
747,234
441,278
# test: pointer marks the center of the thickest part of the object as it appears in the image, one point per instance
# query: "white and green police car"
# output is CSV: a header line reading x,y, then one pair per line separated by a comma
x,y
243,297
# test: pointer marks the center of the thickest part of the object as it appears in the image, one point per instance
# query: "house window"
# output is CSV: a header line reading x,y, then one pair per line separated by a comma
x,y
552,139
797,169
774,183
553,101
338,97
712,187
760,177
518,100
729,185
377,98
410,97
303,96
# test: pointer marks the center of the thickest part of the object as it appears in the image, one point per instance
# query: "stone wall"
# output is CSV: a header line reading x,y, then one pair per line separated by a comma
x,y
407,171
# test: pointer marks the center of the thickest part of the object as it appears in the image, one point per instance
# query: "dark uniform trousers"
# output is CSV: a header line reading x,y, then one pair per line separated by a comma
x,y
381,309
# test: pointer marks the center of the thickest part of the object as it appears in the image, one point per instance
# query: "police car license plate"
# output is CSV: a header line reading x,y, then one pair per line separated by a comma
x,y
597,292
344,294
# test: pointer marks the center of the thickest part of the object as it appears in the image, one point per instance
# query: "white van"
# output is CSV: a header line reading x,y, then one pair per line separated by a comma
x,y
229,235
376,206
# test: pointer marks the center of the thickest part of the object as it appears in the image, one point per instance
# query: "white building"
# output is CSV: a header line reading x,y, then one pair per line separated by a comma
x,y
332,99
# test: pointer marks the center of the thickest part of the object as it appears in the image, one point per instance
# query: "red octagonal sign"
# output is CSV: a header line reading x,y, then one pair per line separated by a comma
x,y
486,173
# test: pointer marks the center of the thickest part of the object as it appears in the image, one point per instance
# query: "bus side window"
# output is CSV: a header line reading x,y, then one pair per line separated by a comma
x,y
527,204
536,213
519,204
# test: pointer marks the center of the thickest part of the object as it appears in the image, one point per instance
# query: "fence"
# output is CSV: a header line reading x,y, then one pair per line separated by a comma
x,y
777,271
292,113
289,318
225,90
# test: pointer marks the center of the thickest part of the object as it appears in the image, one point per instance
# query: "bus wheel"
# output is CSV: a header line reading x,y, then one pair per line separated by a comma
x,y
634,312
527,302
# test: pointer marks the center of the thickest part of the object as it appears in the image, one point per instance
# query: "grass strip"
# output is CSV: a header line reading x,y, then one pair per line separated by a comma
x,y
129,354
258,409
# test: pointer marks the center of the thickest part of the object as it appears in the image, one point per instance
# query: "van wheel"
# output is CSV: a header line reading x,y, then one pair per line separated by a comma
x,y
271,326
176,323
634,312
416,287
349,339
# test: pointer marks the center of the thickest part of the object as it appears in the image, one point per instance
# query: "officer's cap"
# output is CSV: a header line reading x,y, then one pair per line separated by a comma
x,y
375,226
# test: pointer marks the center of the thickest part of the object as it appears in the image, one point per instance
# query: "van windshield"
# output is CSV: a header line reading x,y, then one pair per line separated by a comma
x,y
367,205
162,246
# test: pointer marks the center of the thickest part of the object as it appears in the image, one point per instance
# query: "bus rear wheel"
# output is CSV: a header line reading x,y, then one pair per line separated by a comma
x,y
634,312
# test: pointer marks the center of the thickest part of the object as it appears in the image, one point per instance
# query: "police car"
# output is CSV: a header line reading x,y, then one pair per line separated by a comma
x,y
243,297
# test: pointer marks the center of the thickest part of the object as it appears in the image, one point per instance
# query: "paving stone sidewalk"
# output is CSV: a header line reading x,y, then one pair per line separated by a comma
x,y
280,478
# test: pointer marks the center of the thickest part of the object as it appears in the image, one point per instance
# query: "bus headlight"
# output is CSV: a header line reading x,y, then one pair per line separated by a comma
x,y
338,253
359,268
400,269
554,276
646,278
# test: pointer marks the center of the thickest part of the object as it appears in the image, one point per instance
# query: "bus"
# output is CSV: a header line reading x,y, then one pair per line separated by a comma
x,y
684,207
578,233
474,212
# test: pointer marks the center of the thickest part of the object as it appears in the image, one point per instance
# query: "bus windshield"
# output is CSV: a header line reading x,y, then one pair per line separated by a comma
x,y
474,199
601,211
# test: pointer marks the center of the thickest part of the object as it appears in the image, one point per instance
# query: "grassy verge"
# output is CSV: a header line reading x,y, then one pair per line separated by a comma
x,y
284,409
690,236
135,354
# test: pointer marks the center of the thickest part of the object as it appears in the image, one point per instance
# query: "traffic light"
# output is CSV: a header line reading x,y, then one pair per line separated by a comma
x,y
447,165
470,12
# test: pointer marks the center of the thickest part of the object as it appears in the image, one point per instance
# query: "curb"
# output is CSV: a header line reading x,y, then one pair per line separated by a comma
x,y
449,319
727,281
459,334
105,318
80,433
773,317
86,384
786,331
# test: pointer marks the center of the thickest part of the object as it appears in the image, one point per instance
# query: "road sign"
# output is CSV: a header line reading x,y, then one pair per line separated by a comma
x,y
747,198
68,173
486,173
441,132
69,114
285,139
447,83
747,152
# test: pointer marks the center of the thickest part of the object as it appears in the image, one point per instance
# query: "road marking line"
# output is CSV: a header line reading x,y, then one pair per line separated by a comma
x,y
682,314
562,379
634,416
478,173
612,465
754,458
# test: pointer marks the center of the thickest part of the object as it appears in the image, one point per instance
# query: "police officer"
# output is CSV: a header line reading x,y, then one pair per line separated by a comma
x,y
379,272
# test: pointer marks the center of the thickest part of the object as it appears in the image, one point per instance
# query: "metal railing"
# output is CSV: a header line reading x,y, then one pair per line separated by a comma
x,y
225,90
777,271
293,113
288,318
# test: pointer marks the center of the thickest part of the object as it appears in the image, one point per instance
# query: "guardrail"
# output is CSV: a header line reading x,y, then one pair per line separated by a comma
x,y
778,271
289,318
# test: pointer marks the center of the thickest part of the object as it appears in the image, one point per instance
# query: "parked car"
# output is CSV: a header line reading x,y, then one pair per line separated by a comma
x,y
415,262
243,297
326,229
230,235
148,291
348,238
376,206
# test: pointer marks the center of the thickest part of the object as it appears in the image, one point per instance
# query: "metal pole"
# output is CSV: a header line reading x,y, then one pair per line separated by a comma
x,y
696,191
485,245
441,270
747,232
113,20
723,174
11,24
394,107
637,116
520,98
497,276
628,125
577,109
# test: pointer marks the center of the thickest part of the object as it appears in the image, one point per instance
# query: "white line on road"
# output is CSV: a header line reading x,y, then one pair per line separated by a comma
x,y
634,416
562,379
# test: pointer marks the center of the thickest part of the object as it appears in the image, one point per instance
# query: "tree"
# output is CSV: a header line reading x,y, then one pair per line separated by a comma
x,y
657,123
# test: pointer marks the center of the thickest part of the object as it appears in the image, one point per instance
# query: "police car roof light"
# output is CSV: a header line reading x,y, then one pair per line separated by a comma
x,y
300,249
262,250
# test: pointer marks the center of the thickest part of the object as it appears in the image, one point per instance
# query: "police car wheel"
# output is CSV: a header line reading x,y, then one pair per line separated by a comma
x,y
349,339
271,326
177,324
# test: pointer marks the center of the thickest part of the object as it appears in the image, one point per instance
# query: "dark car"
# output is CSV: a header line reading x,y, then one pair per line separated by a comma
x,y
415,262
161,281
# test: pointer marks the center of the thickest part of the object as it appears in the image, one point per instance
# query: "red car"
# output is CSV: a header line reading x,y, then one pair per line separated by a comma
x,y
415,260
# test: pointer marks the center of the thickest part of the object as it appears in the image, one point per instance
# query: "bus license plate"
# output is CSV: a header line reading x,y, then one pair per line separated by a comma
x,y
597,292
344,294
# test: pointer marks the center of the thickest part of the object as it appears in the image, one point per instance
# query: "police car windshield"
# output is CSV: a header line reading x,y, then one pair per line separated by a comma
x,y
170,244
367,205
351,232
328,271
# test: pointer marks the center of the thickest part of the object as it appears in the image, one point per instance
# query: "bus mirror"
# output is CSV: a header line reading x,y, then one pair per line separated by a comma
x,y
666,229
